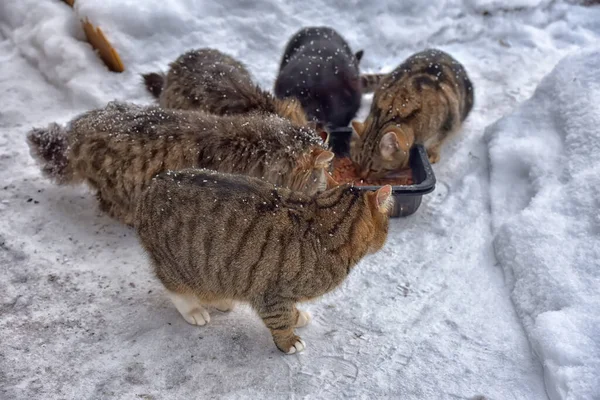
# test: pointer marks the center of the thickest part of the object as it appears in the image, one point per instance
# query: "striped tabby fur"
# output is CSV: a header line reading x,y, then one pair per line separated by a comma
x,y
211,81
117,150
424,100
215,238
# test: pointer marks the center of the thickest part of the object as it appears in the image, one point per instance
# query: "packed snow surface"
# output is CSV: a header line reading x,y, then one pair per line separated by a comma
x,y
490,289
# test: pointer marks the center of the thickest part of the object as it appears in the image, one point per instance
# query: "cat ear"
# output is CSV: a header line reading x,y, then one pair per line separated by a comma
x,y
357,129
384,199
331,183
322,131
323,159
319,127
359,55
389,145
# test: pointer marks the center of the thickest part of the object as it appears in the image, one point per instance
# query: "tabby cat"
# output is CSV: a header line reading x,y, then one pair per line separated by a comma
x,y
117,150
211,81
216,238
424,101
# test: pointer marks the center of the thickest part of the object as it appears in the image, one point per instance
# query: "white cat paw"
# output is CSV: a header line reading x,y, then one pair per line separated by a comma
x,y
297,347
303,319
198,316
190,308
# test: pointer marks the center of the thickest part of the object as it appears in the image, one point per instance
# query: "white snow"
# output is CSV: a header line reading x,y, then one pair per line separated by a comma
x,y
545,196
490,289
504,6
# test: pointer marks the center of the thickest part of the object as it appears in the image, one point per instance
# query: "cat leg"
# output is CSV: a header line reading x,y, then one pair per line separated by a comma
x,y
434,153
190,308
127,217
104,204
280,318
224,305
302,319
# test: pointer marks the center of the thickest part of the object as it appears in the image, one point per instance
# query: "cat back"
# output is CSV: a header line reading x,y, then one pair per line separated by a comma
x,y
117,150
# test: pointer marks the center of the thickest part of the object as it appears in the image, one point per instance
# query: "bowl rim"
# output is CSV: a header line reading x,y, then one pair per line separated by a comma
x,y
418,161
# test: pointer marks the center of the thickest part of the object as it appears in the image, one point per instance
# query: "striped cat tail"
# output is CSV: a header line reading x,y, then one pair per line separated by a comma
x,y
49,148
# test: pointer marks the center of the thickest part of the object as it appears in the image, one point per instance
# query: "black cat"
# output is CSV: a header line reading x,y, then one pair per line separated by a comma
x,y
320,70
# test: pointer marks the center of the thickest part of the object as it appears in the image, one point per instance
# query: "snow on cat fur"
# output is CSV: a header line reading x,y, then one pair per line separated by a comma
x,y
545,197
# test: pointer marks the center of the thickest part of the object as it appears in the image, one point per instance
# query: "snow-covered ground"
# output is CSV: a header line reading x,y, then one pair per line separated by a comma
x,y
545,197
490,289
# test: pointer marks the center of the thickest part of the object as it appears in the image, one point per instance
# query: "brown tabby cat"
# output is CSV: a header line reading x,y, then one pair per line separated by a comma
x,y
211,81
424,101
117,150
216,238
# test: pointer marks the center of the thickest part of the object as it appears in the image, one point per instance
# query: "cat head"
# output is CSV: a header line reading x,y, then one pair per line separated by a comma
x,y
310,175
377,155
380,203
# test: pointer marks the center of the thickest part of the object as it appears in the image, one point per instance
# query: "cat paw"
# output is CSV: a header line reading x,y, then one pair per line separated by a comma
x,y
297,347
434,157
289,343
224,305
198,316
303,319
190,308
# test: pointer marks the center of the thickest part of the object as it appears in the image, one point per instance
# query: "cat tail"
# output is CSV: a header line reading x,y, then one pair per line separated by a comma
x,y
49,147
370,82
155,82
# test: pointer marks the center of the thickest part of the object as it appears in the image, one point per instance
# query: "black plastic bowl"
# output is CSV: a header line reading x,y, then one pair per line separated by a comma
x,y
407,199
